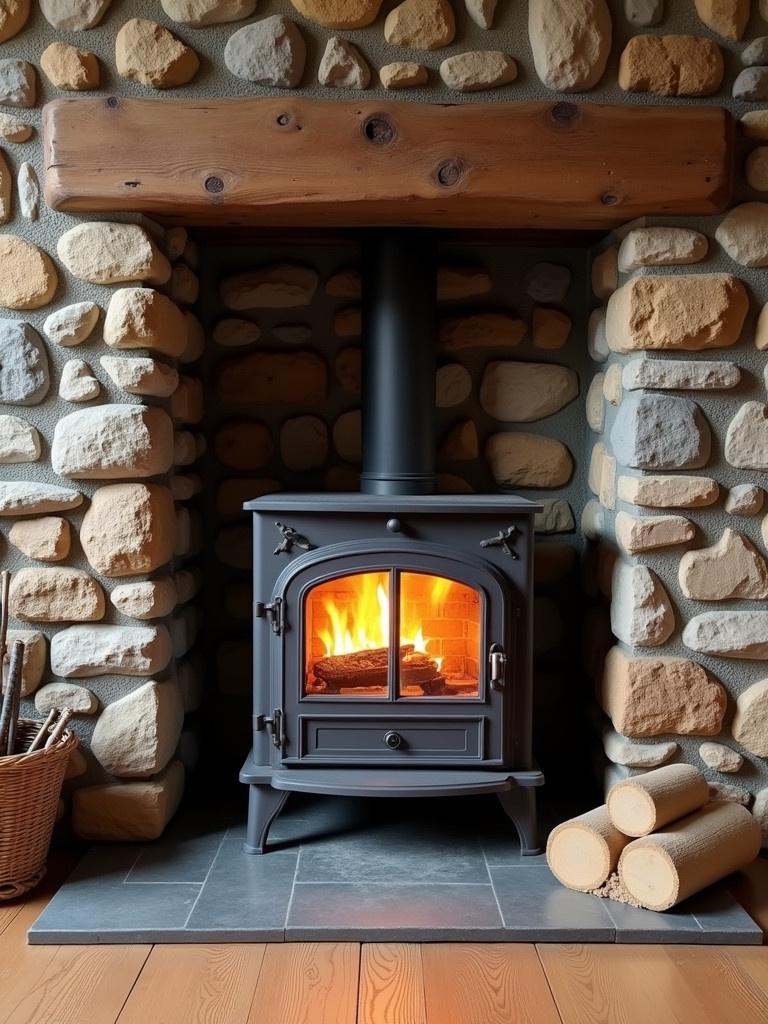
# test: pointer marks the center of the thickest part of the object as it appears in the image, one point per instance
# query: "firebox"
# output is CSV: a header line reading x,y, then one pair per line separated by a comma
x,y
392,628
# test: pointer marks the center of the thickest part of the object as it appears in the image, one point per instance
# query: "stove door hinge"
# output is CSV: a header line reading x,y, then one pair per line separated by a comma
x,y
274,724
273,611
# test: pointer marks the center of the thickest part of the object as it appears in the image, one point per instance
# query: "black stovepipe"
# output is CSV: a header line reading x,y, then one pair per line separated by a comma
x,y
399,342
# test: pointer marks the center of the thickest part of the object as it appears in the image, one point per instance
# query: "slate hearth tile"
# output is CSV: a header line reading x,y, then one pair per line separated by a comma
x,y
395,853
636,925
502,851
722,918
245,897
176,859
536,908
400,913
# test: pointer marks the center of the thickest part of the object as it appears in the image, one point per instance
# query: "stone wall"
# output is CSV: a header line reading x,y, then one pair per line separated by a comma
x,y
101,383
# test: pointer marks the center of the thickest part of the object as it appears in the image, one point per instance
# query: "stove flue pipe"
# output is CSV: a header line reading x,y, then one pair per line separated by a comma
x,y
399,362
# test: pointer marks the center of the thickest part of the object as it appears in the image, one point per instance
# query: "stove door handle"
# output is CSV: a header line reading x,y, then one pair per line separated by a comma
x,y
497,663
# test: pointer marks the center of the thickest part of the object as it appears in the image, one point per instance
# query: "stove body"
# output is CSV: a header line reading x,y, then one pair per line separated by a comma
x,y
392,628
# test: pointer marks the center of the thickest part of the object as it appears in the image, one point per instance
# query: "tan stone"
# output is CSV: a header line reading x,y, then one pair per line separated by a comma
x,y
456,283
342,66
347,435
14,130
595,404
620,750
661,247
679,374
605,272
421,24
82,651
481,330
729,634
571,42
141,375
348,368
742,233
744,500
148,599
671,65
652,696
726,17
136,736
19,441
754,125
481,11
195,341
668,491
595,471
641,612
103,252
478,69
243,445
200,13
517,392
750,723
528,460
145,318
29,278
68,68
235,333
34,660
131,811
460,443
73,324
348,323
402,74
146,52
128,529
277,286
730,568
270,378
6,191
77,383
637,534
107,442
13,17
303,443
612,386
746,440
720,758
550,328
691,312
60,695
74,15
756,169
46,539
453,385
339,13
187,401
345,283
56,595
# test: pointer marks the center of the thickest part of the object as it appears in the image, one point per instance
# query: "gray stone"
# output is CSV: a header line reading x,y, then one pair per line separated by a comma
x,y
623,751
746,440
72,324
24,376
751,84
548,282
82,651
679,375
729,634
19,441
641,613
27,497
720,758
74,15
516,392
555,517
79,699
660,432
342,66
18,83
643,13
756,52
269,52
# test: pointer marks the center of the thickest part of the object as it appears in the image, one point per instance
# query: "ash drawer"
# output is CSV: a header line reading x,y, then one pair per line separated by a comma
x,y
369,738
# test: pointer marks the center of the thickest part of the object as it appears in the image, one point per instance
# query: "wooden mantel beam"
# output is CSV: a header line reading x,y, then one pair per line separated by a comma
x,y
297,162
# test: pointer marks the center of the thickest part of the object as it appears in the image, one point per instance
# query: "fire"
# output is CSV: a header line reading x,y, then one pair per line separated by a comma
x,y
361,621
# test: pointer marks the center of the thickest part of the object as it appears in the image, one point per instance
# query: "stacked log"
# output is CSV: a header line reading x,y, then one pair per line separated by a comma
x,y
660,834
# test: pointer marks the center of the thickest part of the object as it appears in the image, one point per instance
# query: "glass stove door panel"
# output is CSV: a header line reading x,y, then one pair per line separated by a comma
x,y
347,637
440,629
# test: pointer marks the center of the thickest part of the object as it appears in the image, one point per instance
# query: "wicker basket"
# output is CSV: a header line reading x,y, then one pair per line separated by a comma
x,y
30,786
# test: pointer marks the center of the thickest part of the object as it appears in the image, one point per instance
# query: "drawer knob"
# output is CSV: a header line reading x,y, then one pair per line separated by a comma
x,y
393,740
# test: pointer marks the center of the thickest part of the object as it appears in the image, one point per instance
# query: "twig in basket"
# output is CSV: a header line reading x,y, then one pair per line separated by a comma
x,y
37,742
59,728
11,700
15,674
5,583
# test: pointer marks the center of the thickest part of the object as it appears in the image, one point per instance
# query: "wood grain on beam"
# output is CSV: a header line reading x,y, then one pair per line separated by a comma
x,y
304,162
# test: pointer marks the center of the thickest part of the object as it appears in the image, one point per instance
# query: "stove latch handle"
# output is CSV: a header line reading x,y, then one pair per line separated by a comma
x,y
497,663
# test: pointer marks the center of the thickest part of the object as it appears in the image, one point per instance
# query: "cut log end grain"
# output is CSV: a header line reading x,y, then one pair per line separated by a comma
x,y
662,869
640,805
583,852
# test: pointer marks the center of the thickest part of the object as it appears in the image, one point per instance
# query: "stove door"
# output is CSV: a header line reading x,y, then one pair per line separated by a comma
x,y
395,657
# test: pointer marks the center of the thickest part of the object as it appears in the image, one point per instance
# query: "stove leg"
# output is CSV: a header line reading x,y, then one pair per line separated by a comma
x,y
264,805
519,804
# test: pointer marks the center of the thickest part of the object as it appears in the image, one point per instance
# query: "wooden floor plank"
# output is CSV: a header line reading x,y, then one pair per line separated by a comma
x,y
626,984
752,961
80,985
391,984
307,983
490,983
195,985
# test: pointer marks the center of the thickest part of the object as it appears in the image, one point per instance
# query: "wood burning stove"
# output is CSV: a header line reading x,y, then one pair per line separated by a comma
x,y
392,628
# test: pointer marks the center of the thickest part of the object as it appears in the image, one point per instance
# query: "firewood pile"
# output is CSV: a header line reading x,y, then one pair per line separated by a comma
x,y
656,841
369,669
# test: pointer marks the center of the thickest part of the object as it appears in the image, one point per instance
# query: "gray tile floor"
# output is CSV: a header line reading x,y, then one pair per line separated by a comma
x,y
357,870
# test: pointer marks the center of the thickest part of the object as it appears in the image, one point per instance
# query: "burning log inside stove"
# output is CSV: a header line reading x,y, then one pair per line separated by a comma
x,y
363,669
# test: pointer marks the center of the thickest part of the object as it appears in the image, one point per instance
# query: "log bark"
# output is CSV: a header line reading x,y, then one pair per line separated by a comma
x,y
667,867
584,851
647,802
